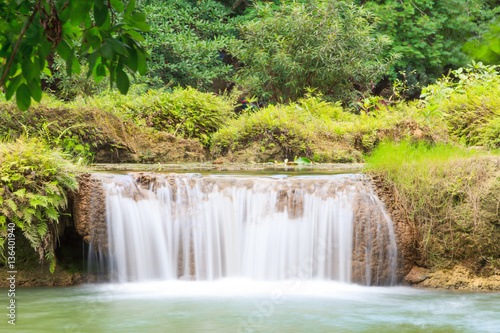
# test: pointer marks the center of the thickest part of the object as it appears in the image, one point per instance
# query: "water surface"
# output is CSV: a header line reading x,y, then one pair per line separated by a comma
x,y
249,306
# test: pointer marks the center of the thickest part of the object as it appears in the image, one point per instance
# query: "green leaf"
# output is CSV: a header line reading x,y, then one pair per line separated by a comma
x,y
122,81
117,46
302,160
100,15
135,35
139,17
79,11
106,51
142,66
142,26
69,65
130,7
23,97
64,49
131,61
12,86
118,5
35,90
28,69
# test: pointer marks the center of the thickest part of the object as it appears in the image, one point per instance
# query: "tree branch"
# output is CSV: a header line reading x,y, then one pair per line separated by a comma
x,y
14,51
236,4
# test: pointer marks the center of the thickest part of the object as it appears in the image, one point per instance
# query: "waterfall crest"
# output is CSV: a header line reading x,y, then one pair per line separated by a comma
x,y
175,226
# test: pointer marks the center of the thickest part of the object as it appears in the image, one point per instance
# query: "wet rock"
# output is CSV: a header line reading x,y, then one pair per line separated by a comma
x,y
89,212
417,275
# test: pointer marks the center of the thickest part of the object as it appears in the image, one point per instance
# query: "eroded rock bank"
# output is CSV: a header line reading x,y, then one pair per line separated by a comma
x,y
451,243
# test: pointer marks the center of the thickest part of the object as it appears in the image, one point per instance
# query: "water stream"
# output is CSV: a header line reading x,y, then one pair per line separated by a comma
x,y
260,228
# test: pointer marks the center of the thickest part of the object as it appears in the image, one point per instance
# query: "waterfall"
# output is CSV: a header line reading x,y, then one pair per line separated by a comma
x,y
187,226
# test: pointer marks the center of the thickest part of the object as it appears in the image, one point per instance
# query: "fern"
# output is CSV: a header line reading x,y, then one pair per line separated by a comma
x,y
34,180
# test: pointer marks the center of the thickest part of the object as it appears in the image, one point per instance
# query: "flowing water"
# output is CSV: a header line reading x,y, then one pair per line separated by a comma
x,y
187,253
261,228
234,306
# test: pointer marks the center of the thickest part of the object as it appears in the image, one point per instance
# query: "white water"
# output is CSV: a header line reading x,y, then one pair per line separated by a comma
x,y
259,228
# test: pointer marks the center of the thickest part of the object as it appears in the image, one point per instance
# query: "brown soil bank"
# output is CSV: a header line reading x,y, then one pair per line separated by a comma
x,y
448,222
111,138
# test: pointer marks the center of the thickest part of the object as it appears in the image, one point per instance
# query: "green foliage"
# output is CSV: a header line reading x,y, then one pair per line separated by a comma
x,y
449,194
313,128
486,48
326,44
186,41
184,112
107,39
68,87
429,35
470,104
34,181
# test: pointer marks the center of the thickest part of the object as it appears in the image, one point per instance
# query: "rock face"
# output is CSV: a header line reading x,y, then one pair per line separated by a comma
x,y
89,212
458,278
406,235
373,244
417,275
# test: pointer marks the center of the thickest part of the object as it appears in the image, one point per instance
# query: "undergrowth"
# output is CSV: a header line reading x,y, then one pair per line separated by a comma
x,y
320,130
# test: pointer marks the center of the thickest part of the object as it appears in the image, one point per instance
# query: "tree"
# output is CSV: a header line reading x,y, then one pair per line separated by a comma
x,y
106,33
186,42
430,34
487,47
326,44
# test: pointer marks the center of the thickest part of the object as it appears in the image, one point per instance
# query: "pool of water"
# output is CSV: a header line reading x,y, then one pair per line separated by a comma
x,y
249,306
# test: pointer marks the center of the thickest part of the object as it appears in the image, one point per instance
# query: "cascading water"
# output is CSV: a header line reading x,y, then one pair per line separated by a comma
x,y
163,227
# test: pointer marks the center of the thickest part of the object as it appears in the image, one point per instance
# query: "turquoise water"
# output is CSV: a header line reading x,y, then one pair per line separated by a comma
x,y
249,306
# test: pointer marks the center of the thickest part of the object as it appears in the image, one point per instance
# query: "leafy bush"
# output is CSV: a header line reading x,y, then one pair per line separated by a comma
x,y
68,87
314,128
326,44
470,104
34,181
188,112
429,35
450,194
186,42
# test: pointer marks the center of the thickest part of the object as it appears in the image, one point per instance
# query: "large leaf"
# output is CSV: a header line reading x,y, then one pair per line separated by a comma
x,y
122,81
23,97
302,160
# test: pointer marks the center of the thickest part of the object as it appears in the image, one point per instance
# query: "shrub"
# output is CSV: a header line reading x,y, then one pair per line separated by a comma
x,y
188,112
323,44
470,105
314,128
34,181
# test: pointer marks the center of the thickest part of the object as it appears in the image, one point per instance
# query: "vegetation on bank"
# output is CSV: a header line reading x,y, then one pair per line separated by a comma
x,y
34,184
451,195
